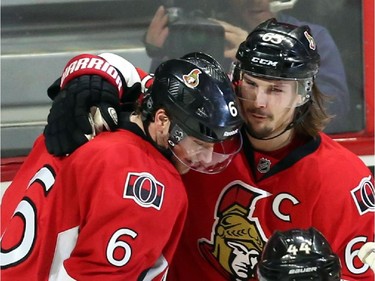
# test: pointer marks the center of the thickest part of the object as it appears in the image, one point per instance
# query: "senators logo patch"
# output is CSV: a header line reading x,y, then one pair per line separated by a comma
x,y
144,189
364,196
192,79
311,40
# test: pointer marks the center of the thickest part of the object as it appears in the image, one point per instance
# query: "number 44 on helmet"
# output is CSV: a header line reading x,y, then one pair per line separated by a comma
x,y
298,254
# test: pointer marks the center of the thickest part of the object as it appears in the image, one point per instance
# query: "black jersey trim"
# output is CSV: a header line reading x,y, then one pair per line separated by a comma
x,y
294,156
126,124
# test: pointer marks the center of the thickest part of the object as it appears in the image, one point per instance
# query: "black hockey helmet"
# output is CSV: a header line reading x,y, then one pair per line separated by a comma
x,y
198,96
200,101
279,50
298,255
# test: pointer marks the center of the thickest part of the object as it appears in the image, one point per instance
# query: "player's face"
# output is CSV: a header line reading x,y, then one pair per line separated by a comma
x,y
267,105
204,157
192,153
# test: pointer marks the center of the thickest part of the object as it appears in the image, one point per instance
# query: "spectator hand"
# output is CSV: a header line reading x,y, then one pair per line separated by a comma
x,y
234,36
157,32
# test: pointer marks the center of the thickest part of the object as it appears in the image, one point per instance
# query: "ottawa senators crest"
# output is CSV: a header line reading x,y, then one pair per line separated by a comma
x,y
364,196
237,239
311,40
192,79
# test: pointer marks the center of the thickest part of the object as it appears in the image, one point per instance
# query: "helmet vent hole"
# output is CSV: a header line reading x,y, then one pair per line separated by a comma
x,y
213,73
266,50
211,70
293,65
173,87
207,131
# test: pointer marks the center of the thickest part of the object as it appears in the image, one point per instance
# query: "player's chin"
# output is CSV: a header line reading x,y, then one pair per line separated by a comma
x,y
183,170
181,167
257,124
260,130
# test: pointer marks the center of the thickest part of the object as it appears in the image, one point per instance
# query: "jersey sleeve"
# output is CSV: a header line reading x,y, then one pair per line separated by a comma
x,y
26,250
346,218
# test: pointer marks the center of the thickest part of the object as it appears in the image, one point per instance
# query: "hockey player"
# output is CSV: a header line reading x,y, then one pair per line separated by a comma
x,y
27,246
288,175
114,209
298,254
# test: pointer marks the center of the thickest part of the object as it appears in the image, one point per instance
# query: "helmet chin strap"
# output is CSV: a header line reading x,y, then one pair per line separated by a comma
x,y
290,125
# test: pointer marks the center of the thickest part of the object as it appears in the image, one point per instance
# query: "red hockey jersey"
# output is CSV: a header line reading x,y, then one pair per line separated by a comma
x,y
231,215
112,210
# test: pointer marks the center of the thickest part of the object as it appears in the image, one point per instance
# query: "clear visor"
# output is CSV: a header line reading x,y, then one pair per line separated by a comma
x,y
266,90
204,157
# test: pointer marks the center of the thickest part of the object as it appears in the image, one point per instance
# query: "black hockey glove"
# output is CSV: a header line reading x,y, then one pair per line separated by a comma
x,y
87,105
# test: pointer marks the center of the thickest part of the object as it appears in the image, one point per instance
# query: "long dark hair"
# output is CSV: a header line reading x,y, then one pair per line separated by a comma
x,y
316,117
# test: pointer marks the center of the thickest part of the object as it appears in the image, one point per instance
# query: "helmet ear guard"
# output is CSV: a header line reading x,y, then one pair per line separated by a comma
x,y
176,134
305,89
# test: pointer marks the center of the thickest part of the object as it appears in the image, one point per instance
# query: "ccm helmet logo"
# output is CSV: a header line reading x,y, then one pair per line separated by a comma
x,y
264,61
